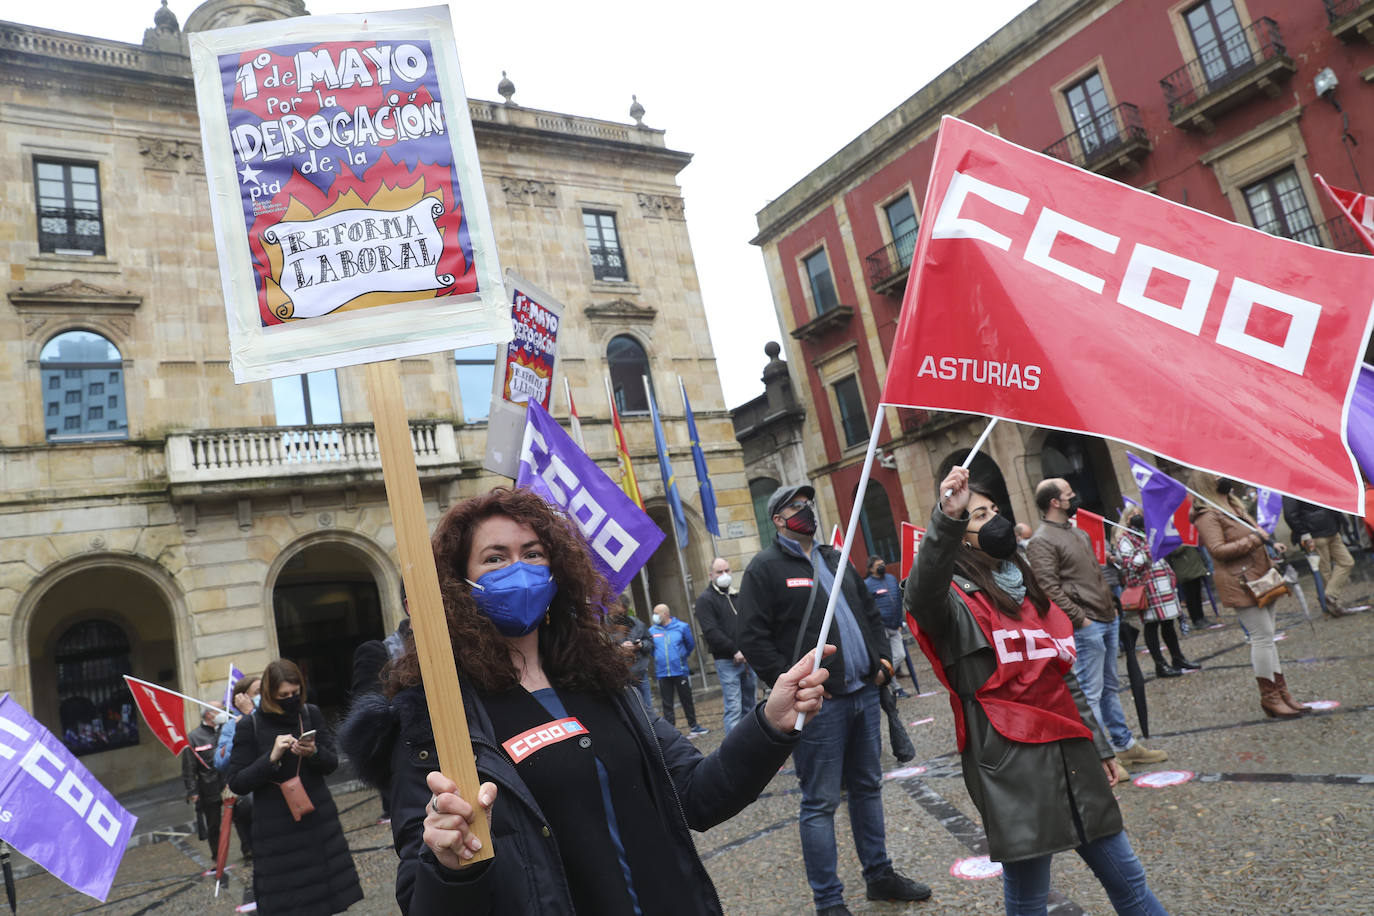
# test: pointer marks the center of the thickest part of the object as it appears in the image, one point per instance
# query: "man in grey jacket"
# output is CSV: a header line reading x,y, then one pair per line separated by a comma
x,y
1062,559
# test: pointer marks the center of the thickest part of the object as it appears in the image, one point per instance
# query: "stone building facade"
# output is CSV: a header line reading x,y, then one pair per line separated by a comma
x,y
769,428
181,523
1227,106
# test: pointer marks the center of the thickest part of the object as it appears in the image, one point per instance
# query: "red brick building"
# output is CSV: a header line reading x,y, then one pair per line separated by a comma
x,y
1227,106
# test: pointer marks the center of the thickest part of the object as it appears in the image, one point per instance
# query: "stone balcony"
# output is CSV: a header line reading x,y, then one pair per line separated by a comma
x,y
267,459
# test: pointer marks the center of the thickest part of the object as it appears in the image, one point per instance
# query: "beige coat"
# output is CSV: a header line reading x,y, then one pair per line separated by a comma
x,y
1236,550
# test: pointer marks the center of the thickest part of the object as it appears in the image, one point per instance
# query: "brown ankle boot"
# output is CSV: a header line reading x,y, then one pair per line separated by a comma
x,y
1273,705
1288,697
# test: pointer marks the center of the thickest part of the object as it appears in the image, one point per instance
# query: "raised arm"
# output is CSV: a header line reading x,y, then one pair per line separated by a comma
x,y
926,597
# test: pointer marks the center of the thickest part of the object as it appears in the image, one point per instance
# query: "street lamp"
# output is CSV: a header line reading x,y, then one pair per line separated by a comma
x,y
1325,84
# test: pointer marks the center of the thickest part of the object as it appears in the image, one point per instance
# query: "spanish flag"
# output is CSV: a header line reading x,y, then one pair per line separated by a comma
x,y
628,482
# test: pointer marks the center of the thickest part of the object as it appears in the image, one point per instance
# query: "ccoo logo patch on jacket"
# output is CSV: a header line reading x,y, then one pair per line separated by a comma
x,y
799,583
526,743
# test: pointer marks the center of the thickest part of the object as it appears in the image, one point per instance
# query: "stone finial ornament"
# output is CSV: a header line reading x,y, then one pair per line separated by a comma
x,y
506,88
637,111
164,20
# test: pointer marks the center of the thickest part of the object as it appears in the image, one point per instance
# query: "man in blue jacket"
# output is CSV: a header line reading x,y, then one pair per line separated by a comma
x,y
673,644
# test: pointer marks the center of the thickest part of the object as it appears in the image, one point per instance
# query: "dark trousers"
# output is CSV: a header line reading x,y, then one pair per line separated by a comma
x,y
1192,596
243,824
667,686
209,810
1153,628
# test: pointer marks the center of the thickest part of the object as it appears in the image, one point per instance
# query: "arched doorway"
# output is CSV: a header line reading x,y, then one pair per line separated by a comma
x,y
325,602
985,471
761,489
878,526
1086,464
88,629
666,585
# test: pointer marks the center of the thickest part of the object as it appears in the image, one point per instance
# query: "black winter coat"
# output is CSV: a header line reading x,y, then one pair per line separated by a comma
x,y
772,602
304,869
718,615
391,744
1305,518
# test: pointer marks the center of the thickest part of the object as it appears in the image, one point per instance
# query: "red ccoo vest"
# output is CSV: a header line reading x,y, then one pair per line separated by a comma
x,y
1026,698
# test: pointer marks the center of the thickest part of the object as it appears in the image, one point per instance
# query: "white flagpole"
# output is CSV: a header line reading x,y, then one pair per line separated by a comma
x,y
1225,512
576,421
130,677
977,447
841,569
610,399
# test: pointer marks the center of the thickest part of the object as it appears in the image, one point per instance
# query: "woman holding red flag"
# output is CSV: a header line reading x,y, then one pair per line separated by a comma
x,y
1036,763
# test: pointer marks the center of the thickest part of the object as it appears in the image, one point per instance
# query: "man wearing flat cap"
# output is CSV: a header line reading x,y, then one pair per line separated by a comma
x,y
783,598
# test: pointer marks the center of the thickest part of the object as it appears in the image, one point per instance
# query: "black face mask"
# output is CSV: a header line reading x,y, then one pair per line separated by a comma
x,y
291,705
803,523
1225,485
1137,523
1072,509
879,571
997,538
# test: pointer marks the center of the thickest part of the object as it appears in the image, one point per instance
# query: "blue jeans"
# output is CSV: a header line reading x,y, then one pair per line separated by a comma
x,y
643,686
1095,669
736,689
1026,884
839,749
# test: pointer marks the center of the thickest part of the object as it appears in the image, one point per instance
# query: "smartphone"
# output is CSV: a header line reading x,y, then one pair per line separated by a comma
x,y
307,736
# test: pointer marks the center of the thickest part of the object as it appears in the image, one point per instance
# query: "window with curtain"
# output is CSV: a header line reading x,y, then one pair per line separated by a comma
x,y
1092,113
1278,206
822,284
69,217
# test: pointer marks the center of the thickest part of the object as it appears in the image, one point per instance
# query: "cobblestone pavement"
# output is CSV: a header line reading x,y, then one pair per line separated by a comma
x,y
1276,819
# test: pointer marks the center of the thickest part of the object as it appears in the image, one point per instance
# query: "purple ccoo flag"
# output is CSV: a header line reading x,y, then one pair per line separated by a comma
x,y
621,535
1160,497
1268,508
52,809
1359,423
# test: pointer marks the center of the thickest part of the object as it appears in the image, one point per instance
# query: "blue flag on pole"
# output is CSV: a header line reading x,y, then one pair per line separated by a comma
x,y
707,492
1160,497
665,468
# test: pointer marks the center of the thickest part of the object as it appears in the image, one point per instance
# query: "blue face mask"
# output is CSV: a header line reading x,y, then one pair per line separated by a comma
x,y
515,597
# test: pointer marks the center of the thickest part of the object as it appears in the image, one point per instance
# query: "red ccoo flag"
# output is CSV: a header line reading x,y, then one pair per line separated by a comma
x,y
1092,524
1034,282
1183,524
1356,207
163,711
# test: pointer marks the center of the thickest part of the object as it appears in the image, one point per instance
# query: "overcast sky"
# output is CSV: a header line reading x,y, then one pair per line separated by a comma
x,y
760,92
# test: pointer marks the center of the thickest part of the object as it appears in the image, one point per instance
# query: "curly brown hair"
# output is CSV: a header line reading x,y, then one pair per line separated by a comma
x,y
575,647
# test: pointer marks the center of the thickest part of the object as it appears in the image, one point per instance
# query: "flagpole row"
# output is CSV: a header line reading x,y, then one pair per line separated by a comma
x,y
130,677
842,567
977,447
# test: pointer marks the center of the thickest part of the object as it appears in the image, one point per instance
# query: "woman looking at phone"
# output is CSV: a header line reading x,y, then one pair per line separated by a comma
x,y
590,797
301,860
1035,761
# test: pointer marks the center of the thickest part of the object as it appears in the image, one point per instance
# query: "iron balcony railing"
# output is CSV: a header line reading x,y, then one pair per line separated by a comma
x,y
66,229
1337,10
1101,136
1223,63
608,263
1336,234
891,262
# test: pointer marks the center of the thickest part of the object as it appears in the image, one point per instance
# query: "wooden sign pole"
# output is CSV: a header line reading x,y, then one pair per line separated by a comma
x,y
427,618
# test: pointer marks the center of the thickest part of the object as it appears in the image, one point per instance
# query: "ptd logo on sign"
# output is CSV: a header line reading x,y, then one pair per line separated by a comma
x,y
44,766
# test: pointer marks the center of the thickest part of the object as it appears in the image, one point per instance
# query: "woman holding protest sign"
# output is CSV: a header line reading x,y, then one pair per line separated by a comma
x,y
1036,763
282,753
1152,590
1246,583
590,799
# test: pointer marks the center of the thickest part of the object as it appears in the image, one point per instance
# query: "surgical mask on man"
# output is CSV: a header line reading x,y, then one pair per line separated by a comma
x,y
723,581
658,620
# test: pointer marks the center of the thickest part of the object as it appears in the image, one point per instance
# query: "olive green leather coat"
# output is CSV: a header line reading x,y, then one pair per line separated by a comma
x,y
1026,793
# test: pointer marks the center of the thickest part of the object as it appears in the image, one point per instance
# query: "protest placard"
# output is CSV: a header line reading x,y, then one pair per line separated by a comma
x,y
348,206
352,228
525,372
